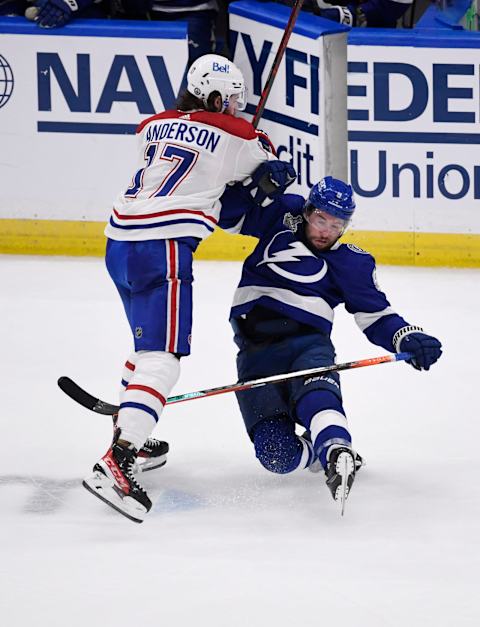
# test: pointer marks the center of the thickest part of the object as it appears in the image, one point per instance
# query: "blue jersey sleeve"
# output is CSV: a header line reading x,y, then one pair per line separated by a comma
x,y
241,214
235,203
366,301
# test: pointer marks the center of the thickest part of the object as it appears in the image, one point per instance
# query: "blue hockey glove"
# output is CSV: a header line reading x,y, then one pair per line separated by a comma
x,y
426,349
270,180
54,13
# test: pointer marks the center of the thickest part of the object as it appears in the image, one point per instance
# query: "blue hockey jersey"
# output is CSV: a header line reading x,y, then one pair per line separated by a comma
x,y
296,281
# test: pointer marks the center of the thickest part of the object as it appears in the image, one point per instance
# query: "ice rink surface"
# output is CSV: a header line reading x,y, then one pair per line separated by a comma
x,y
228,544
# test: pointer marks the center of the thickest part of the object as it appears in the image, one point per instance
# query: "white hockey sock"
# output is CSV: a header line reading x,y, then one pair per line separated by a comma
x,y
155,374
320,422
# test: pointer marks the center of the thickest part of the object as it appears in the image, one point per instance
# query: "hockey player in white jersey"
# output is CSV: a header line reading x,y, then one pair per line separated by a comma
x,y
186,159
282,315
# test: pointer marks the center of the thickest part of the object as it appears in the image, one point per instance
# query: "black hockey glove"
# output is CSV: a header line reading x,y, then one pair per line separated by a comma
x,y
426,349
270,180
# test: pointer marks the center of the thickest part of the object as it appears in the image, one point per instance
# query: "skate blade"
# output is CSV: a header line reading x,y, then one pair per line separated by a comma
x,y
344,467
103,488
150,463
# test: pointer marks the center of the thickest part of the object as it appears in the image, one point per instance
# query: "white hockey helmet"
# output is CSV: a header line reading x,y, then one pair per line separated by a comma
x,y
213,72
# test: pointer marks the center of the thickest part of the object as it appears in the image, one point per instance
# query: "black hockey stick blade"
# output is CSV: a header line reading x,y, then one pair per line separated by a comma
x,y
85,399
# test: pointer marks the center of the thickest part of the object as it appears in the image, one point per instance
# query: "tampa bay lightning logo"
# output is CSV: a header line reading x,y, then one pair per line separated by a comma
x,y
282,250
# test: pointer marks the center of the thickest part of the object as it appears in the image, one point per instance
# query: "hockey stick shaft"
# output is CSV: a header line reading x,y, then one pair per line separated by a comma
x,y
297,7
280,378
101,407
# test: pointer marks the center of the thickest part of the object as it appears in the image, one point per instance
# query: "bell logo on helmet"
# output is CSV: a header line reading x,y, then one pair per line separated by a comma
x,y
218,67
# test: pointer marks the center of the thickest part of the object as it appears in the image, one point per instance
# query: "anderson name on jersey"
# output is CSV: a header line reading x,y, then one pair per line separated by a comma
x,y
185,162
294,281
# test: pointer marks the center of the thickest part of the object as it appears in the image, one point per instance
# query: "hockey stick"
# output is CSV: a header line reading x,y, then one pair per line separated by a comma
x,y
101,407
276,62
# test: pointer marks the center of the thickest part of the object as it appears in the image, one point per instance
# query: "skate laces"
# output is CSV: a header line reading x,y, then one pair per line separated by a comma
x,y
129,472
128,466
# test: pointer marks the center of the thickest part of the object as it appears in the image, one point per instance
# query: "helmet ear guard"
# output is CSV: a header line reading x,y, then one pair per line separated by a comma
x,y
214,73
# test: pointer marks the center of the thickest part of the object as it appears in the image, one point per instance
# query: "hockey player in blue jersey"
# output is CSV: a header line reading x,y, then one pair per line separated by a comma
x,y
282,315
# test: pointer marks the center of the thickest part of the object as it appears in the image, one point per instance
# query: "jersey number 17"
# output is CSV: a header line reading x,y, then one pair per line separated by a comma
x,y
181,161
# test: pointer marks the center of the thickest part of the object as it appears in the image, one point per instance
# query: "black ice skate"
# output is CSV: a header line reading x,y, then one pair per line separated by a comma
x,y
340,472
113,482
316,465
153,453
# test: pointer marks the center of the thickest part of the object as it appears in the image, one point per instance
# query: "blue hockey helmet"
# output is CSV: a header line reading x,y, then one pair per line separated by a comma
x,y
332,196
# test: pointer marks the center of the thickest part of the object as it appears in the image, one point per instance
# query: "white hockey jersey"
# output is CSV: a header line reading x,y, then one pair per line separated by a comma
x,y
185,162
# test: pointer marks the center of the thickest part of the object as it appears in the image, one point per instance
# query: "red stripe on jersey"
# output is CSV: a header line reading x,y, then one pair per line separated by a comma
x,y
129,365
173,296
146,216
148,390
228,123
